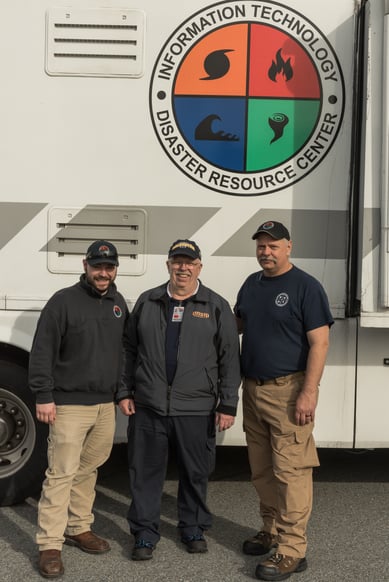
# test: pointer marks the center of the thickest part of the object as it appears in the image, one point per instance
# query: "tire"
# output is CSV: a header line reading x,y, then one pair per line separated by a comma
x,y
23,440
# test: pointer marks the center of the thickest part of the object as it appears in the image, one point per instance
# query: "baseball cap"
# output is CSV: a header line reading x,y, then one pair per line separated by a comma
x,y
275,229
185,247
102,251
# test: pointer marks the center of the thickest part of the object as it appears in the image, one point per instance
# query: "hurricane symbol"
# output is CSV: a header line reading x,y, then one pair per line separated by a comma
x,y
216,65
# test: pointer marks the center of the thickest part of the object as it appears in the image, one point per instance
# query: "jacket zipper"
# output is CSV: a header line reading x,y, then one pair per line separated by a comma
x,y
169,390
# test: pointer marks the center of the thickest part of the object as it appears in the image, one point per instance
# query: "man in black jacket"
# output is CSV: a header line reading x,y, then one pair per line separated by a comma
x,y
75,367
182,379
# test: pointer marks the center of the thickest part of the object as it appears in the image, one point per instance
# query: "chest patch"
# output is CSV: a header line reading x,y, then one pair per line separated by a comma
x,y
200,314
282,299
117,311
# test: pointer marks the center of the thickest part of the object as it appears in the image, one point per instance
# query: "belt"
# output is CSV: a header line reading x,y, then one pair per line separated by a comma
x,y
278,381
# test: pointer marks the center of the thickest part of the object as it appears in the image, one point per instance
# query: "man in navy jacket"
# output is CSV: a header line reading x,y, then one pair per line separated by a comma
x,y
181,380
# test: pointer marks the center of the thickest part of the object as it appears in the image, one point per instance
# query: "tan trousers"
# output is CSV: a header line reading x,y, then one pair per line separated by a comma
x,y
281,456
80,440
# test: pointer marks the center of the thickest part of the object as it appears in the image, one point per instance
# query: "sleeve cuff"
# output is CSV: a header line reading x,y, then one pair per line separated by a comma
x,y
44,397
224,409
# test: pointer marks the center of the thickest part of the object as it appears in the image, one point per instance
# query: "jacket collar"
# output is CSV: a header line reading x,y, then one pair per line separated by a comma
x,y
160,294
110,294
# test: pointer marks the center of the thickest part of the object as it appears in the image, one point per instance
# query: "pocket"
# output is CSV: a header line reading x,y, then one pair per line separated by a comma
x,y
50,455
211,383
305,448
211,444
130,437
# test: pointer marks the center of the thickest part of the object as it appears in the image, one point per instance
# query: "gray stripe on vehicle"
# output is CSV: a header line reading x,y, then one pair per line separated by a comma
x,y
167,224
14,216
316,234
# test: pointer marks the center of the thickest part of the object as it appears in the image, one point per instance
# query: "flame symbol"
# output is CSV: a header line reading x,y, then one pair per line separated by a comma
x,y
280,66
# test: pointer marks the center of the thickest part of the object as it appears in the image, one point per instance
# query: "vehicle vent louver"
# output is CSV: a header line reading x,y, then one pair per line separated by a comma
x,y
72,230
95,42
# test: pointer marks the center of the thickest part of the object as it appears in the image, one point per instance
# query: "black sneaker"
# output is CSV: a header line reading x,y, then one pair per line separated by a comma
x,y
195,544
263,544
280,567
143,550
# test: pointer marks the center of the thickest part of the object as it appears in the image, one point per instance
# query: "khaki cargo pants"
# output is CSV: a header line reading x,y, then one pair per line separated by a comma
x,y
80,441
281,456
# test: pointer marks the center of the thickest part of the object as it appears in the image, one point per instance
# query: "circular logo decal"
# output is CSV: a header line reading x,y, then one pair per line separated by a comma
x,y
282,299
268,225
247,98
117,311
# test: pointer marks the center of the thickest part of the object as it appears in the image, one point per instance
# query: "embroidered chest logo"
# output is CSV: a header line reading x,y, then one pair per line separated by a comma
x,y
117,311
200,314
282,299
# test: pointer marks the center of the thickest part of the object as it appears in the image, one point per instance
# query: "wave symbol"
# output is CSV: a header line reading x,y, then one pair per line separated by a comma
x,y
204,131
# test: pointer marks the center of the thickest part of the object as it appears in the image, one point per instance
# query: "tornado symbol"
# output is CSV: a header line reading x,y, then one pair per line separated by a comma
x,y
277,123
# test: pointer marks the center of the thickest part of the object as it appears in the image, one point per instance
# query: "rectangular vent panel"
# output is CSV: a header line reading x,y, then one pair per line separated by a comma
x,y
72,230
95,42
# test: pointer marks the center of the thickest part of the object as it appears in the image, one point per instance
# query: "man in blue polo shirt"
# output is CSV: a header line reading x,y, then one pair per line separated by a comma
x,y
285,318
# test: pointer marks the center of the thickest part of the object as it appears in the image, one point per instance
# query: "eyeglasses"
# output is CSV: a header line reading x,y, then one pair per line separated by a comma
x,y
187,264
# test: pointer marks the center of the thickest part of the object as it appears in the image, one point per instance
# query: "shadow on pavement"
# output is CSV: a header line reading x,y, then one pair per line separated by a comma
x,y
336,465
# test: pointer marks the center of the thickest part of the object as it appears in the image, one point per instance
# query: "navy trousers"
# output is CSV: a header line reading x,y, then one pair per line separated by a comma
x,y
193,438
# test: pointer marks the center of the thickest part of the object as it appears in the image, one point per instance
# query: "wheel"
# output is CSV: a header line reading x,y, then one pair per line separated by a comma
x,y
23,440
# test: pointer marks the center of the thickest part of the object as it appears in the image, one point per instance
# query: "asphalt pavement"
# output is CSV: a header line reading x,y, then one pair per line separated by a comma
x,y
348,531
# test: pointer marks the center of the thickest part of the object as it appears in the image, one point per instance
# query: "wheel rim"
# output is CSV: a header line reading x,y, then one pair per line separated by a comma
x,y
17,433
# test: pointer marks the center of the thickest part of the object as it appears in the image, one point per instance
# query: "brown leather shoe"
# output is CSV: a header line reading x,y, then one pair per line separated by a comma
x,y
88,542
50,564
280,567
263,545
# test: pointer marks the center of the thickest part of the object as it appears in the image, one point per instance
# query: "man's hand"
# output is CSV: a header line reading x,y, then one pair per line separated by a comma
x,y
224,421
127,406
306,407
307,400
46,412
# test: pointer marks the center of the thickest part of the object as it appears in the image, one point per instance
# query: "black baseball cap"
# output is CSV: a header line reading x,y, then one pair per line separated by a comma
x,y
102,251
275,229
185,247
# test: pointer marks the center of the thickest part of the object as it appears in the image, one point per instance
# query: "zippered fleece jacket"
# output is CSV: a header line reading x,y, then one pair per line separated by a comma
x,y
77,352
208,374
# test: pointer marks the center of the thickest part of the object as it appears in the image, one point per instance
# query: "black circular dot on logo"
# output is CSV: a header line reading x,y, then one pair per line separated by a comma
x,y
161,95
332,99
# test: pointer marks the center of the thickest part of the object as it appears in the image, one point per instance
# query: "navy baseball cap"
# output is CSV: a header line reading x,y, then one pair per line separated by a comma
x,y
185,247
102,251
275,229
